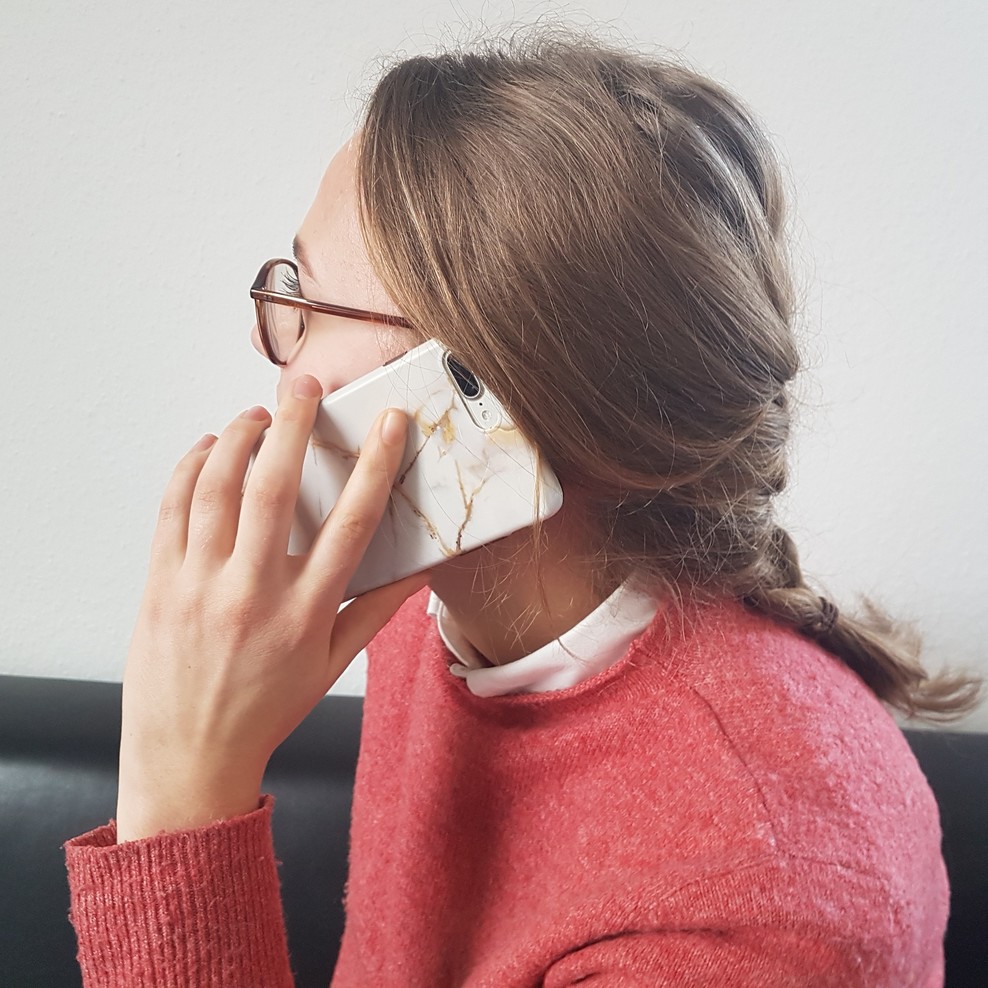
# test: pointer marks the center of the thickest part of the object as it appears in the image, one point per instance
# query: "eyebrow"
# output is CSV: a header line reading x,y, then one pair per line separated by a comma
x,y
300,255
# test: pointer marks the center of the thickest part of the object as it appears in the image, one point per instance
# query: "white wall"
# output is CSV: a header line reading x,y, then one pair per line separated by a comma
x,y
154,154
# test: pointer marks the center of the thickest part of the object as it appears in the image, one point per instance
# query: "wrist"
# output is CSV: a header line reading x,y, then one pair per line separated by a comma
x,y
151,803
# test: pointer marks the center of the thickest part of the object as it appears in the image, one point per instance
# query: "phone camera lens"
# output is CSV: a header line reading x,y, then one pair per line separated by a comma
x,y
465,381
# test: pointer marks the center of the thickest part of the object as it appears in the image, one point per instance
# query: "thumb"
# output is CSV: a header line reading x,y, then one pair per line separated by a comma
x,y
364,617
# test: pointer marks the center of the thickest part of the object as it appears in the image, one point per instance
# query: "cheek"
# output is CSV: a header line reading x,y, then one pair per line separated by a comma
x,y
347,354
338,357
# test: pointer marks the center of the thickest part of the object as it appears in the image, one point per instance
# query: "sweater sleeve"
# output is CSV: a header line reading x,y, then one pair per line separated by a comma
x,y
191,907
746,957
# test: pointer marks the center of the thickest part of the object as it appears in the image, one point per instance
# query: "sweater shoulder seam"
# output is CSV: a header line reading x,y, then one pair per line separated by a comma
x,y
741,759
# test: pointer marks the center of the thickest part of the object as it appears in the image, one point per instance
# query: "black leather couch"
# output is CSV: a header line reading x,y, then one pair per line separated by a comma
x,y
58,763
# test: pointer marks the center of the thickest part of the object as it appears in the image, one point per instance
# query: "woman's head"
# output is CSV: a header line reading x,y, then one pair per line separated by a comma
x,y
600,236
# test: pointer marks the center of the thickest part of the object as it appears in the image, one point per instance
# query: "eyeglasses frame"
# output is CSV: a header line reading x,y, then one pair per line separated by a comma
x,y
260,295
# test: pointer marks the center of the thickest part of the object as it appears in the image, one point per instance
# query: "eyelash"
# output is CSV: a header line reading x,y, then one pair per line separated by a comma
x,y
292,286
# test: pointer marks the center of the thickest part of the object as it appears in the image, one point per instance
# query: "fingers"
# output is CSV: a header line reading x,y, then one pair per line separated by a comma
x,y
208,511
268,506
344,536
214,514
172,530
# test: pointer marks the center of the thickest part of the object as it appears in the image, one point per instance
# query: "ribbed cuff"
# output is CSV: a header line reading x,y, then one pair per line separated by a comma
x,y
192,907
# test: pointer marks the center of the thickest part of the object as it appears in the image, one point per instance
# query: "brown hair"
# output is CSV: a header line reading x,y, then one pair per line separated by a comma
x,y
598,234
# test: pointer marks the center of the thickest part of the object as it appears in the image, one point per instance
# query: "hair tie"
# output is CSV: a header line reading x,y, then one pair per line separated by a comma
x,y
830,613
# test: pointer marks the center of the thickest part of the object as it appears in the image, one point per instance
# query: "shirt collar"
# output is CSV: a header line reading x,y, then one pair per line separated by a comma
x,y
589,647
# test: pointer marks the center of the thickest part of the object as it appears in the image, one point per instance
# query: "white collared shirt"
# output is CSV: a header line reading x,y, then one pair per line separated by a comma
x,y
589,647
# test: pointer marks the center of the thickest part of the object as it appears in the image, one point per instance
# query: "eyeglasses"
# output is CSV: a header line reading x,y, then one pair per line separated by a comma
x,y
278,301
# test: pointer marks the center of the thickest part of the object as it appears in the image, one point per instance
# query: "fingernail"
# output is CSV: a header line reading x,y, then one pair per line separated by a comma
x,y
391,430
307,386
258,413
204,443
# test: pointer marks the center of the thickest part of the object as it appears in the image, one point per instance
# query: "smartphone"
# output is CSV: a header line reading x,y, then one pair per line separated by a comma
x,y
467,476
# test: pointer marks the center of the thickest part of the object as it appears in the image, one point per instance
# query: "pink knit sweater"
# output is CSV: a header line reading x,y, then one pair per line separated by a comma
x,y
727,805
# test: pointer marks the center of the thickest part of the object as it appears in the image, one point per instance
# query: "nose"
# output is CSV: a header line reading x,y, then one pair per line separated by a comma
x,y
255,339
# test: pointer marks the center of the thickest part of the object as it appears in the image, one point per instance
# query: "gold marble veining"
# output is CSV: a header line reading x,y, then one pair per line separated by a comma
x,y
444,422
467,504
428,428
430,527
346,454
449,434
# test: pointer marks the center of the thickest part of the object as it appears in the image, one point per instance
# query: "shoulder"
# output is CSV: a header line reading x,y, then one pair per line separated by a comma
x,y
785,785
767,683
832,769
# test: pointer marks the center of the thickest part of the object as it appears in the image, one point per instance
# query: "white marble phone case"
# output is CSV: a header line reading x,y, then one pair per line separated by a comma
x,y
467,477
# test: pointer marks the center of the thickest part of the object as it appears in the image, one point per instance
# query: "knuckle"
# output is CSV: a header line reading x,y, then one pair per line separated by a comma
x,y
209,498
186,605
294,411
350,528
269,498
239,613
170,510
227,611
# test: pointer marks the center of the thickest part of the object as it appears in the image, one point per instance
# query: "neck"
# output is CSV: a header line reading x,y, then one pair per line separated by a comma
x,y
493,595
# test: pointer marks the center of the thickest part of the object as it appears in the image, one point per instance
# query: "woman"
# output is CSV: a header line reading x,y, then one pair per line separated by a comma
x,y
630,746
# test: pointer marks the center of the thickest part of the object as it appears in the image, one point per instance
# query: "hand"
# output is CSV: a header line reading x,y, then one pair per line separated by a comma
x,y
236,641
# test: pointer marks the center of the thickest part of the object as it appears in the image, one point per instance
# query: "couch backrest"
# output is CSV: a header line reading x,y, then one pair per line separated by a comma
x,y
58,765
